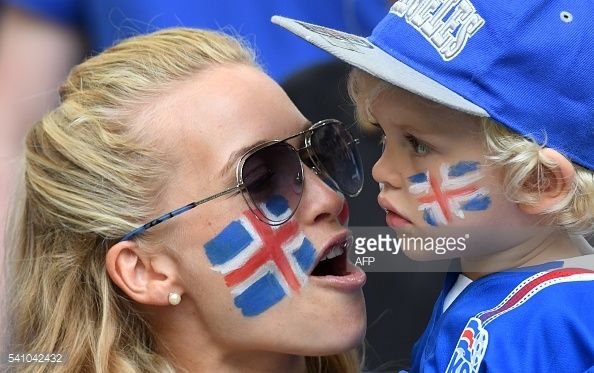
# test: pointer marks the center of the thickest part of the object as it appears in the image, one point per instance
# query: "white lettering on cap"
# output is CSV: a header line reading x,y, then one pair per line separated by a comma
x,y
446,24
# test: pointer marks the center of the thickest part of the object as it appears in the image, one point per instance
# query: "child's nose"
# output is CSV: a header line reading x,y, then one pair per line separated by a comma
x,y
385,172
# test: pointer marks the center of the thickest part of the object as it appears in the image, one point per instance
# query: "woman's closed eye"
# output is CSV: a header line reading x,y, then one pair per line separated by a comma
x,y
259,179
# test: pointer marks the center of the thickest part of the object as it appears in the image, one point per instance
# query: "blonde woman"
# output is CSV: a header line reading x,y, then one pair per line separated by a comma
x,y
178,214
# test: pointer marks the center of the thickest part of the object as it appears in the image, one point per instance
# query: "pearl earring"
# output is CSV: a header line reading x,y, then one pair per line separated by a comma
x,y
174,299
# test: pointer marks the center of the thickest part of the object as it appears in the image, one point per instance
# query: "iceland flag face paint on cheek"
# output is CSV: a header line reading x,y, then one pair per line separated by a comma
x,y
450,192
261,264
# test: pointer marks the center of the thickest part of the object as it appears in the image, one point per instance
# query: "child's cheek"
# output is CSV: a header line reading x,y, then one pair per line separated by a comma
x,y
443,195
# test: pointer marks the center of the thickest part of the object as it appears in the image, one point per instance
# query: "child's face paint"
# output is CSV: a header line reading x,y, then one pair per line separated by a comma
x,y
447,194
261,264
435,171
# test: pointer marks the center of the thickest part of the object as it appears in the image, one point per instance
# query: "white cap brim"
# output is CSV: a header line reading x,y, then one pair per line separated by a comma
x,y
361,53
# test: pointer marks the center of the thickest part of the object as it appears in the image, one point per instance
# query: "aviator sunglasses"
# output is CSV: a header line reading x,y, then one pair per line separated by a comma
x,y
270,175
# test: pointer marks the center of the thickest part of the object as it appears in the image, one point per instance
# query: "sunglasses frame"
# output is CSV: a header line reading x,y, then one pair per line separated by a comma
x,y
244,190
317,168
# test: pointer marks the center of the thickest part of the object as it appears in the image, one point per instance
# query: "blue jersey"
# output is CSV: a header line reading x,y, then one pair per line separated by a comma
x,y
105,21
537,320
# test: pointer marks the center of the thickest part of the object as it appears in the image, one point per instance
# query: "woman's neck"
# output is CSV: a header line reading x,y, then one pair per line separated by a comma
x,y
190,360
191,349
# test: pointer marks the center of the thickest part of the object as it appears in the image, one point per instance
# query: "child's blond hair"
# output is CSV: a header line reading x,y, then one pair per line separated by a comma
x,y
524,166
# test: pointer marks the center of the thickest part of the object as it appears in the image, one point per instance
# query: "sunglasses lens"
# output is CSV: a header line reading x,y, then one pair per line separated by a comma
x,y
274,182
336,151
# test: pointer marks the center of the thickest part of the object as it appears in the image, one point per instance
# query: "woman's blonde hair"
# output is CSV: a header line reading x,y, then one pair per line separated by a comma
x,y
525,168
90,177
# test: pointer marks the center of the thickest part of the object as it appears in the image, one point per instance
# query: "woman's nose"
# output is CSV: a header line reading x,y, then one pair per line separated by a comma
x,y
319,201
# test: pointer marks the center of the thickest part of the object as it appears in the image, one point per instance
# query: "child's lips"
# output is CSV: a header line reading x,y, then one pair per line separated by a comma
x,y
393,218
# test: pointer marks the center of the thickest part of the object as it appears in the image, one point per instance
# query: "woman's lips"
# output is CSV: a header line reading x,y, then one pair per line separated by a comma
x,y
353,280
338,272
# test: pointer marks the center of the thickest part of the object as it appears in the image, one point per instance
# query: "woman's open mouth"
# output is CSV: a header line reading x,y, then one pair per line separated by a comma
x,y
334,268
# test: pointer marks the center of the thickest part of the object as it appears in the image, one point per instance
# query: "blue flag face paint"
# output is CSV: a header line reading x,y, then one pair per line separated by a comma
x,y
261,264
449,193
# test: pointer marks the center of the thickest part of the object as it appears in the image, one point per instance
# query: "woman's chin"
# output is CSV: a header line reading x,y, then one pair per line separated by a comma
x,y
340,340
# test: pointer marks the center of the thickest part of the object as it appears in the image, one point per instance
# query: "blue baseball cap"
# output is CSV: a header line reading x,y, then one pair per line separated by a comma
x,y
527,64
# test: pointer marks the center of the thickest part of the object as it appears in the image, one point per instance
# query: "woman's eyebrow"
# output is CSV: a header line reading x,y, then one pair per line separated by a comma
x,y
234,157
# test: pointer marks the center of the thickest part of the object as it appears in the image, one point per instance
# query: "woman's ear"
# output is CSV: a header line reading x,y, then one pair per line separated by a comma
x,y
555,185
146,279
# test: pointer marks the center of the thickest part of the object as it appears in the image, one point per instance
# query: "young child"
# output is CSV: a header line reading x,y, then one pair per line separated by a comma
x,y
487,111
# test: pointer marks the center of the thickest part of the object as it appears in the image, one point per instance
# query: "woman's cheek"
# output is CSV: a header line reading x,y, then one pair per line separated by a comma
x,y
261,264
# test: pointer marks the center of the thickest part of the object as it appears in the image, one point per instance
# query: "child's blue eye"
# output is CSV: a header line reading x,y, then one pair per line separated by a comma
x,y
418,146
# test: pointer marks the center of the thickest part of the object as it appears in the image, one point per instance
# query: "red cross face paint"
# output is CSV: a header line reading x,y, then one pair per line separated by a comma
x,y
230,300
450,192
262,264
